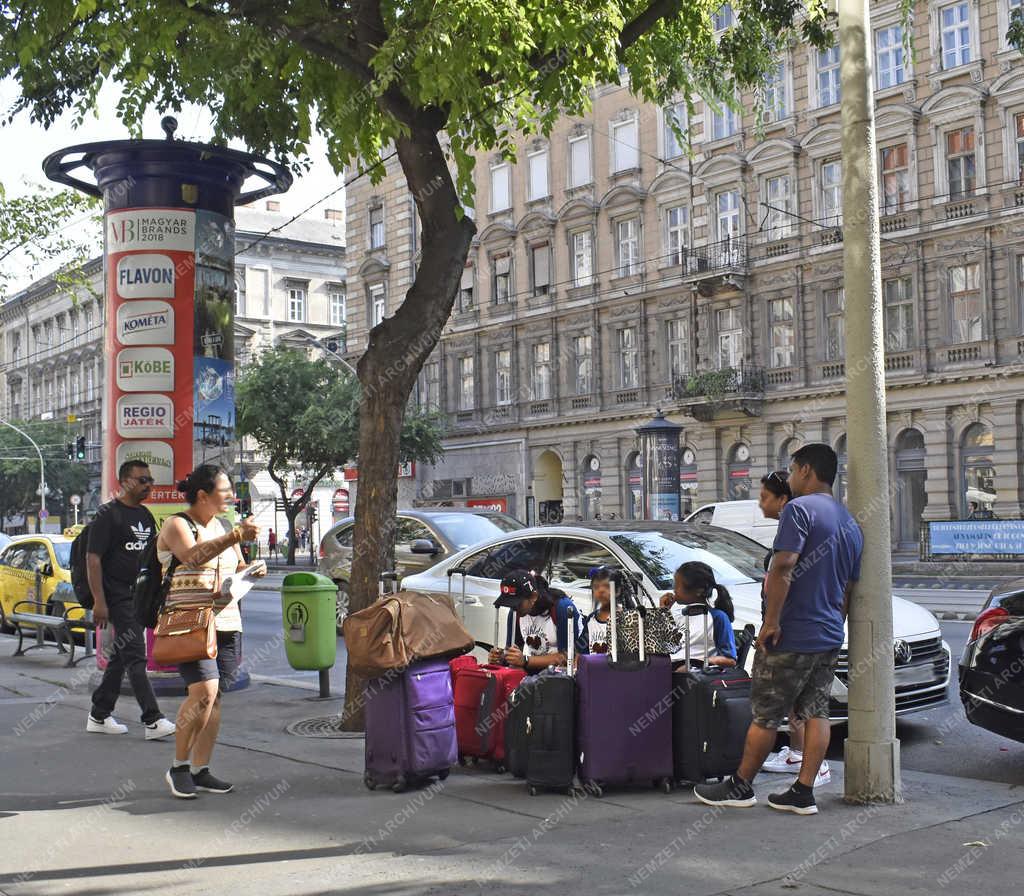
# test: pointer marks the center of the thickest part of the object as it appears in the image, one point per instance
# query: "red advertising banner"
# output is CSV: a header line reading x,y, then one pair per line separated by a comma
x,y
498,504
150,289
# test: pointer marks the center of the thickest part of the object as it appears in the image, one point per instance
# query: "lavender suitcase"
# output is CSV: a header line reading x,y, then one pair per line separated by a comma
x,y
624,726
410,726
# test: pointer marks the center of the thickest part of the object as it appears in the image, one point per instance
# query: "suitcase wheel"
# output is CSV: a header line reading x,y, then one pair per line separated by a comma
x,y
594,789
400,784
441,775
500,768
370,781
533,790
665,784
462,760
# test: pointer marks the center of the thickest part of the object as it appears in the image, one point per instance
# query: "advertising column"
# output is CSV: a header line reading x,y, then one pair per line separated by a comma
x,y
659,448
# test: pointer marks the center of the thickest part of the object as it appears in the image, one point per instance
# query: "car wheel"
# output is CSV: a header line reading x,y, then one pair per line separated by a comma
x,y
341,608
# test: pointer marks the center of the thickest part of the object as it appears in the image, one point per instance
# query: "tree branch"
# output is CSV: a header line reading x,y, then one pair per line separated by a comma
x,y
643,22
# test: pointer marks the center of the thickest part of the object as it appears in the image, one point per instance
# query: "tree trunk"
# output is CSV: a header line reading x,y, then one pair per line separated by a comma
x,y
397,349
291,514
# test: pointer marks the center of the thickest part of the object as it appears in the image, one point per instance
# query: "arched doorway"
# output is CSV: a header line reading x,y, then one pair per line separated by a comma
x,y
840,488
738,484
590,488
634,486
977,472
687,481
786,452
547,487
911,497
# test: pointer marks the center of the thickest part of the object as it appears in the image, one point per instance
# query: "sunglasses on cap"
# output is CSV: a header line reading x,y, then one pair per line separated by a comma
x,y
779,476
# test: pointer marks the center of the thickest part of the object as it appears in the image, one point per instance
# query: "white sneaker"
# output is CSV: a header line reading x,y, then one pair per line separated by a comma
x,y
109,725
785,761
160,728
824,775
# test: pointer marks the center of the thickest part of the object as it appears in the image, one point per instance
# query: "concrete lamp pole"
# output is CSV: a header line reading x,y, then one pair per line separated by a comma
x,y
42,474
872,751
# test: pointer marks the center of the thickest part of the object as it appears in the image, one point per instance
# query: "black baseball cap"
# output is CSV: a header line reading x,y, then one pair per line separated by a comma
x,y
515,588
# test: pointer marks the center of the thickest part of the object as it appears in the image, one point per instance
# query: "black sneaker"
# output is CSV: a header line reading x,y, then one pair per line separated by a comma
x,y
179,779
730,792
205,781
792,800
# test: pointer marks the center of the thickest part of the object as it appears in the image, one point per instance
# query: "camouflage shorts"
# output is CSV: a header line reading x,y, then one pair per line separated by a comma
x,y
791,682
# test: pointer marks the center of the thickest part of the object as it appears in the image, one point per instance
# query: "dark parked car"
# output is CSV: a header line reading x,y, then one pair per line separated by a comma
x,y
992,667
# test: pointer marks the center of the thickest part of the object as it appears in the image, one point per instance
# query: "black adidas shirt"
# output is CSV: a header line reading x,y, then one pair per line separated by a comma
x,y
119,534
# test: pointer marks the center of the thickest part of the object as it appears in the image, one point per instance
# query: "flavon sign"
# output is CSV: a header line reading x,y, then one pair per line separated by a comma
x,y
145,276
145,323
148,415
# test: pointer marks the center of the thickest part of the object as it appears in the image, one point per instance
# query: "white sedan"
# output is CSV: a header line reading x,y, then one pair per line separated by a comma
x,y
565,555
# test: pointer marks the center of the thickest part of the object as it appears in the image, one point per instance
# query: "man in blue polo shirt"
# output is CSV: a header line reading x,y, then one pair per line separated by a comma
x,y
816,561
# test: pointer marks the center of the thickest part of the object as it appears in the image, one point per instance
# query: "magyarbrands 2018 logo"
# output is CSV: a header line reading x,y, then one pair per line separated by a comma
x,y
163,229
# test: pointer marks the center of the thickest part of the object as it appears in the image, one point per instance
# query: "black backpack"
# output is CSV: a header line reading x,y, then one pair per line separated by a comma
x,y
151,585
79,574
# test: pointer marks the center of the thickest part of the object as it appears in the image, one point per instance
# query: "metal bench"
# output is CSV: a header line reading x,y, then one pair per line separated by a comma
x,y
33,615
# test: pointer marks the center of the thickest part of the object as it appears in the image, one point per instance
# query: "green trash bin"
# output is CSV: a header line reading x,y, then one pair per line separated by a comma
x,y
308,606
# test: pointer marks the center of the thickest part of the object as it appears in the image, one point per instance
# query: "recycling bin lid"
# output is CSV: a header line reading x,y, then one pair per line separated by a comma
x,y
307,581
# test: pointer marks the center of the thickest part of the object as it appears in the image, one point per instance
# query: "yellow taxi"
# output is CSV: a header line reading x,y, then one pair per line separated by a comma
x,y
36,567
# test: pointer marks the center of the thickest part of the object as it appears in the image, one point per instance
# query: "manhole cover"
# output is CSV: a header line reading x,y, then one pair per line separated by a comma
x,y
322,726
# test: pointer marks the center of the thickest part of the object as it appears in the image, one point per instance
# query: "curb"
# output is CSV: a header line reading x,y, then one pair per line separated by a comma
x,y
959,617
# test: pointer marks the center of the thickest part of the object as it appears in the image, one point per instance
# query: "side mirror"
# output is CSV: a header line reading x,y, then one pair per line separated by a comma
x,y
46,570
424,546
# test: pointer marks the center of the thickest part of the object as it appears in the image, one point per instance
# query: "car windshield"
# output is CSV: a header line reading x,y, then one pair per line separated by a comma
x,y
62,551
466,529
734,559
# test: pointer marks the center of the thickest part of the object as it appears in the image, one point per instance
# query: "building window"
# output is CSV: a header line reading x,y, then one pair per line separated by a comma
x,y
501,187
828,76
625,153
378,303
678,335
16,346
677,224
579,161
889,56
502,278
430,385
783,341
584,364
775,93
730,337
629,371
540,266
296,304
540,374
965,309
723,18
88,318
90,382
673,118
538,173
727,222
466,289
835,324
503,377
725,122
955,25
895,179
779,197
582,258
960,162
377,227
832,193
467,399
1019,135
899,315
977,448
76,387
628,246
338,310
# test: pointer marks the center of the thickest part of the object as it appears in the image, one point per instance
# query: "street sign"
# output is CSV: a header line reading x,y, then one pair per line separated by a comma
x,y
75,500
43,513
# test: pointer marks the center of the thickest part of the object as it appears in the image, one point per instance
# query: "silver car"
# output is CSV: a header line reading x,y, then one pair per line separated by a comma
x,y
423,538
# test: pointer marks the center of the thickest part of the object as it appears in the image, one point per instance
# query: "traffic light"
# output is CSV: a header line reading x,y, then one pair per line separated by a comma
x,y
69,450
80,448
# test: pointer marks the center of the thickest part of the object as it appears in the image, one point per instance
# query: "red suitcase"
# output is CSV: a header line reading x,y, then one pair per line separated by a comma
x,y
481,707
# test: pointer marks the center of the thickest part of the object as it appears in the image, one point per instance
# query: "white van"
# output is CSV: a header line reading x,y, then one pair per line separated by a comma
x,y
744,517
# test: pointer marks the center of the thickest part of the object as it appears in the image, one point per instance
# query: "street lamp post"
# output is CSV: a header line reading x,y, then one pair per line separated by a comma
x,y
872,751
42,474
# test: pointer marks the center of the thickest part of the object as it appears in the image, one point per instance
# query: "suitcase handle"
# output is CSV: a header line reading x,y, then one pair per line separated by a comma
x,y
695,610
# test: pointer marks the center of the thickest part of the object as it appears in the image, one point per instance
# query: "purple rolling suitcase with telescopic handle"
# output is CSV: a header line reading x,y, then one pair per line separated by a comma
x,y
624,725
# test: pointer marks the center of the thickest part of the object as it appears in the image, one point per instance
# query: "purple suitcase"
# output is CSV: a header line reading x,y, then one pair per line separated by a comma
x,y
624,727
410,726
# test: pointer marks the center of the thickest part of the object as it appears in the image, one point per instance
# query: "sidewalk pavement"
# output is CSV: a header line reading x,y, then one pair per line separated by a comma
x,y
91,815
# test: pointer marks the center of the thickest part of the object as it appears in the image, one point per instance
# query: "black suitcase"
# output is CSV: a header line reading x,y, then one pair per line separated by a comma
x,y
710,717
520,702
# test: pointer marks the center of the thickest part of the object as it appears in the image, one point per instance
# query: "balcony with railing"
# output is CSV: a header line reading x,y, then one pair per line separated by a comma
x,y
703,395
719,259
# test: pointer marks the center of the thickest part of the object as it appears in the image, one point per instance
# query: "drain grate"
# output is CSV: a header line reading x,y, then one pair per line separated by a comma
x,y
321,726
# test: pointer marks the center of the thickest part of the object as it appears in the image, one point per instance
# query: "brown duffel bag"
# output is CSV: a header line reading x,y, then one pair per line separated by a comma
x,y
401,628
